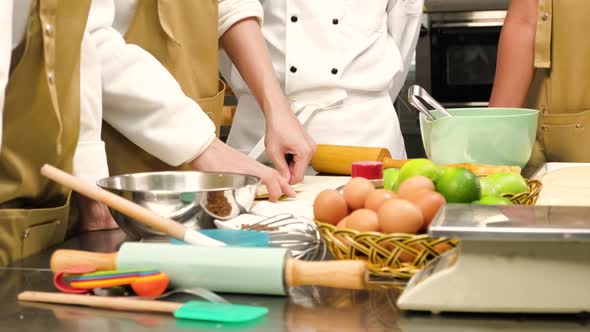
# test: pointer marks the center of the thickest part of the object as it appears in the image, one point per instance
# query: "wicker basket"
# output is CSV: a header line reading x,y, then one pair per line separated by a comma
x,y
398,255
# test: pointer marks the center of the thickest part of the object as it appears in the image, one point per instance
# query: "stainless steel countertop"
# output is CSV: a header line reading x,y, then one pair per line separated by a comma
x,y
307,309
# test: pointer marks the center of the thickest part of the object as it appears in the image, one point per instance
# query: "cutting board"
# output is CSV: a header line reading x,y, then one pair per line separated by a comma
x,y
564,184
306,193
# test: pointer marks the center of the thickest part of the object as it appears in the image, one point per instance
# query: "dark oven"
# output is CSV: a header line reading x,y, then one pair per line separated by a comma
x,y
456,56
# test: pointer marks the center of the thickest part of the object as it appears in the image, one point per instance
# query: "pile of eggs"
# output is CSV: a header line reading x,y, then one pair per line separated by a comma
x,y
363,208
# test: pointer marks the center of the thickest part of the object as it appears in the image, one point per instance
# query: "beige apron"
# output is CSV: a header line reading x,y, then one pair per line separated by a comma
x,y
41,125
182,35
561,88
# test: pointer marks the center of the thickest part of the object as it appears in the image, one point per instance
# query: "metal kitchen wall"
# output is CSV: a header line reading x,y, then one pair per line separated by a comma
x,y
455,59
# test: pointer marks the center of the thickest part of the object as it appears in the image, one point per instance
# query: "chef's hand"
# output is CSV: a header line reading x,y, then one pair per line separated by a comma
x,y
285,135
219,157
93,215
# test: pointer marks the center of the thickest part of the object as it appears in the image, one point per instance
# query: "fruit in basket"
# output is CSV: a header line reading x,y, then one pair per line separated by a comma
x,y
390,177
414,184
343,223
458,185
498,184
356,192
330,207
442,247
428,202
494,200
400,216
377,198
363,220
419,166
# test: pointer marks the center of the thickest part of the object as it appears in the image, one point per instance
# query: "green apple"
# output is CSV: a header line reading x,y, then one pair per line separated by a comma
x,y
390,177
494,200
502,183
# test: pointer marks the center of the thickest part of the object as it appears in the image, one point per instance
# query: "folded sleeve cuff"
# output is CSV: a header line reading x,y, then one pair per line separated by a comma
x,y
233,11
90,161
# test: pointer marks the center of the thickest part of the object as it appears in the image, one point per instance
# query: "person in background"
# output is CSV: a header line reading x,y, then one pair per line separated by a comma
x,y
184,36
154,125
542,64
340,63
55,59
40,50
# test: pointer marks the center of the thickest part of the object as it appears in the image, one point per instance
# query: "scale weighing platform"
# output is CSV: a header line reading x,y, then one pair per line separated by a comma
x,y
510,259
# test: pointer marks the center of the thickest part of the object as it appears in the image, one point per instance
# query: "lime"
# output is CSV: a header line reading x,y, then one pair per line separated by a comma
x,y
390,177
498,184
458,185
495,200
420,166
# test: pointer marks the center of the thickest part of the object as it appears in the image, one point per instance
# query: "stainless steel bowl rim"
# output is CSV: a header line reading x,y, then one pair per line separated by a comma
x,y
102,182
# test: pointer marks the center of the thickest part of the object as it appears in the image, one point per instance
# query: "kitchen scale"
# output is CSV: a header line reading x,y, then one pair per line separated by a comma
x,y
511,259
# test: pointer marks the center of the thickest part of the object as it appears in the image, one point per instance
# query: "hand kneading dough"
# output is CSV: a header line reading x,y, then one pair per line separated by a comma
x,y
567,187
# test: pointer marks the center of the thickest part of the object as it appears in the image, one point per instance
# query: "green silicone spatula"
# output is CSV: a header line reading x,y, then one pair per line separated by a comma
x,y
193,310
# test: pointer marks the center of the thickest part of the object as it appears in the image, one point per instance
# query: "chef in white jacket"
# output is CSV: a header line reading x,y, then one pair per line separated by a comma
x,y
237,23
340,63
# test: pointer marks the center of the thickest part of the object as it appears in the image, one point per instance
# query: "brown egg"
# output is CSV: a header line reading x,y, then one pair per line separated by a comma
x,y
429,202
363,220
377,198
343,223
406,256
413,184
442,247
329,207
356,192
400,216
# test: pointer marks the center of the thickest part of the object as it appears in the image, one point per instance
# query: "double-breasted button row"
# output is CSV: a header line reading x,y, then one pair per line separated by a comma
x,y
293,69
294,19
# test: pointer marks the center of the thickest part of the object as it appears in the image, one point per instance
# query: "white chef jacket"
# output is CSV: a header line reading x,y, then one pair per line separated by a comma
x,y
140,97
341,58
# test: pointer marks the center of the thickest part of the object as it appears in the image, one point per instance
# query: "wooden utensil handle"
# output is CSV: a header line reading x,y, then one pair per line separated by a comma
x,y
350,274
118,203
64,259
100,301
393,163
338,159
477,169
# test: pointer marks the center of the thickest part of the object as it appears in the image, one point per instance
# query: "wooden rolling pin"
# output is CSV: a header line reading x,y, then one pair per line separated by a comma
x,y
222,269
338,159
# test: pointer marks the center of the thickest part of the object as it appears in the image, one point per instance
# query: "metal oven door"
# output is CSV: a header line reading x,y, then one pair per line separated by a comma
x,y
463,61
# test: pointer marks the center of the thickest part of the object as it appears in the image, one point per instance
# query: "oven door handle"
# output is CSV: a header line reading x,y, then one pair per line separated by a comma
x,y
485,24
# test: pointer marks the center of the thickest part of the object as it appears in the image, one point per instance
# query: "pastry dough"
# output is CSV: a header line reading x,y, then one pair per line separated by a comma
x,y
567,187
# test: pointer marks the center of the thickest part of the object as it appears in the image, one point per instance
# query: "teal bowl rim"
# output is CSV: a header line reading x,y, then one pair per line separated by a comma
x,y
523,112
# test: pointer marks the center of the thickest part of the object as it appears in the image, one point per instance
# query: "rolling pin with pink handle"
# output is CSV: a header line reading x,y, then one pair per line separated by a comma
x,y
135,211
222,269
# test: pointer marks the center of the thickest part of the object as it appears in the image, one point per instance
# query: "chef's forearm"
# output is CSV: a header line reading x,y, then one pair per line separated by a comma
x,y
514,69
245,46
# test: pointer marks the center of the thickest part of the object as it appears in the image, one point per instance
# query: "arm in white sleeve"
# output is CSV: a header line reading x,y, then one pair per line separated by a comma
x,y
403,24
142,100
5,53
233,11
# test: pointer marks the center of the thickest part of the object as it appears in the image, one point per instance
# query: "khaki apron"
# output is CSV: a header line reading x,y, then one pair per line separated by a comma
x,y
560,89
41,125
182,35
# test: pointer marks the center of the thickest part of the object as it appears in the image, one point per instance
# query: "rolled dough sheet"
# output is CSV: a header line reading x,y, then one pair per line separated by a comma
x,y
568,186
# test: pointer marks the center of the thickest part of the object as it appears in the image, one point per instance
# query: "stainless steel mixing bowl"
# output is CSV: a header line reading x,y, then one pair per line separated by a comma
x,y
191,198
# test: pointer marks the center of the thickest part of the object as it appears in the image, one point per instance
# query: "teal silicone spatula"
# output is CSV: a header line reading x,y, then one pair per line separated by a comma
x,y
194,310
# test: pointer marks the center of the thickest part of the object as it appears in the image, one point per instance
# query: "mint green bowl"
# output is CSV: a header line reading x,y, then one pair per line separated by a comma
x,y
494,136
